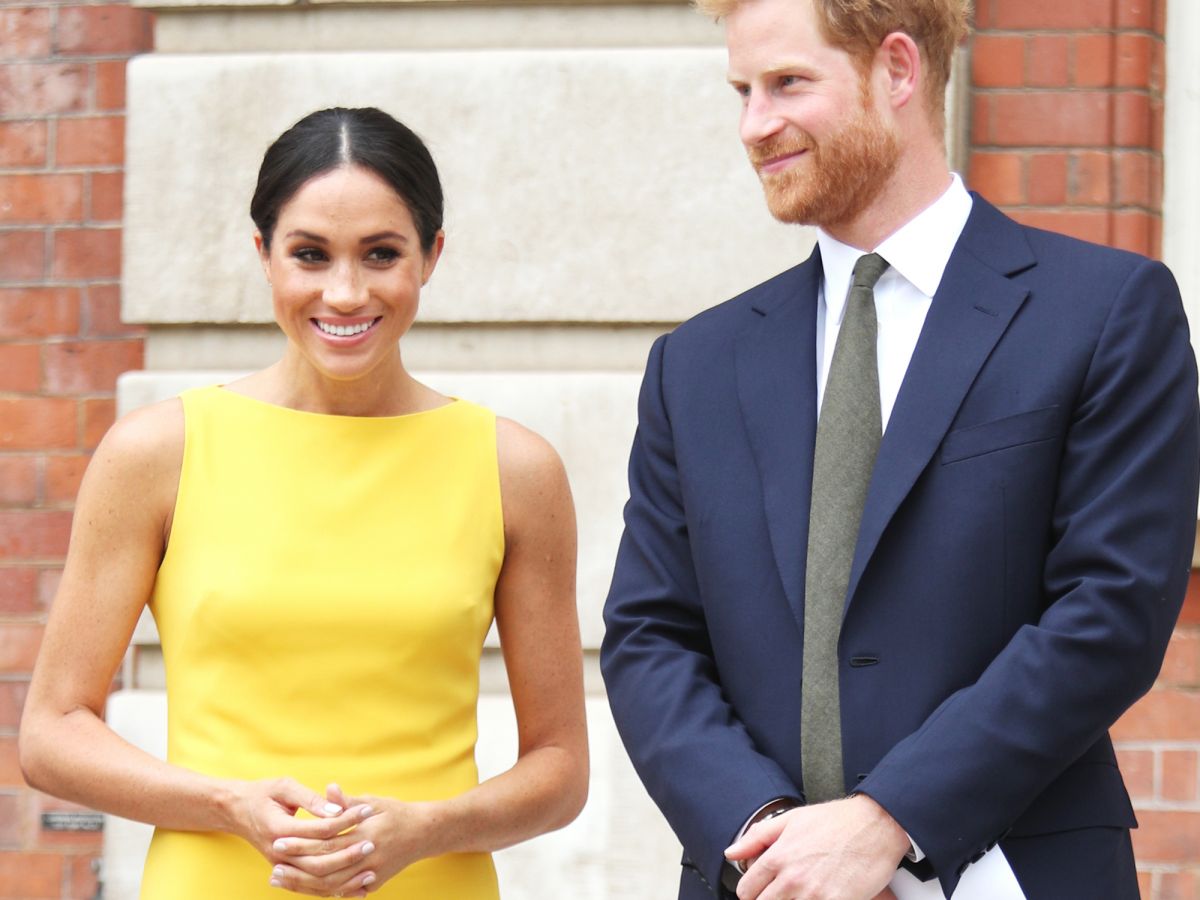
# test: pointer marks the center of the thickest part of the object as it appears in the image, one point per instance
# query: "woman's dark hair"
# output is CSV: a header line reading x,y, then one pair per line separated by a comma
x,y
331,138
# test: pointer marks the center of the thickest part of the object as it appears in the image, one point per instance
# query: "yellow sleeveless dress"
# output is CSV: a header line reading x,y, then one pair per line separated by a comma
x,y
322,607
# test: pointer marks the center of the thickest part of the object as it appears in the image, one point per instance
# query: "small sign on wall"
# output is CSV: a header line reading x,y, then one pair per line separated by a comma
x,y
72,821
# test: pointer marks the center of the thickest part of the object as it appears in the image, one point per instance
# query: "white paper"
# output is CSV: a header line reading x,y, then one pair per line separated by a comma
x,y
991,878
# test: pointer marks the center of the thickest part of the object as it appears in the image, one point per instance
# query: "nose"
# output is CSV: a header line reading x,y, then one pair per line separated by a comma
x,y
760,118
346,289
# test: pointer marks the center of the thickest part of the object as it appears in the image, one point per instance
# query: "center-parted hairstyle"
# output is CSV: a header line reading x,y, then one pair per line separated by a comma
x,y
332,138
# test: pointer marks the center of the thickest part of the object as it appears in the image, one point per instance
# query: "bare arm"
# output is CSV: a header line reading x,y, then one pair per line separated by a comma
x,y
122,518
539,635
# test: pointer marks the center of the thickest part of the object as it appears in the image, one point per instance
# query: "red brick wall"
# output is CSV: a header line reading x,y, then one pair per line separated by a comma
x,y
1066,124
1158,742
1066,133
62,99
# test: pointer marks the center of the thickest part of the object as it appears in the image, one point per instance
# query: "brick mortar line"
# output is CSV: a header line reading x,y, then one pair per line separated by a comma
x,y
106,169
56,226
56,340
83,59
1114,31
65,4
49,284
1082,207
51,453
990,149
29,454
52,143
59,337
1067,89
1065,149
44,396
1180,806
80,224
66,114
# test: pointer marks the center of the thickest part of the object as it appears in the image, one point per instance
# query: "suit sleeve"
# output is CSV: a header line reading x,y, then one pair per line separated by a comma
x,y
694,756
1120,548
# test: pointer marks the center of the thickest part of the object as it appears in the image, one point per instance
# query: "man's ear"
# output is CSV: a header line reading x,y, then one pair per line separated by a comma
x,y
900,58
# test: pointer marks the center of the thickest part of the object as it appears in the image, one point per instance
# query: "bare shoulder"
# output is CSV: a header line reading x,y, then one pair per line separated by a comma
x,y
140,459
533,481
523,453
148,437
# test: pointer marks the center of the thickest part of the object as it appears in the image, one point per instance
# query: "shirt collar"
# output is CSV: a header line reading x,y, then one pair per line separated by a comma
x,y
919,250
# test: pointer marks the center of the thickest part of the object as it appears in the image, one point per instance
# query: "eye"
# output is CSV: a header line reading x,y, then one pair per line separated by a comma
x,y
383,255
743,90
309,255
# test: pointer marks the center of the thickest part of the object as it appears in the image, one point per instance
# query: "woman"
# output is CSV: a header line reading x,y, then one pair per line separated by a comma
x,y
322,545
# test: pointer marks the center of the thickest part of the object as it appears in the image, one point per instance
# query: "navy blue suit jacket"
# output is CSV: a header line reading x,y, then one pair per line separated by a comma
x,y
1023,554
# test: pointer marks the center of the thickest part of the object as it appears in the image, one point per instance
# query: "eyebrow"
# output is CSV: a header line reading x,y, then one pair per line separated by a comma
x,y
792,68
369,239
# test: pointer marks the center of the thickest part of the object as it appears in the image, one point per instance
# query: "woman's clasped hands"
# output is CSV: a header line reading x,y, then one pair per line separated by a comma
x,y
350,845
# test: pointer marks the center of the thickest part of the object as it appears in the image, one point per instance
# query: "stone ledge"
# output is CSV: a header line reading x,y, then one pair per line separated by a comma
x,y
191,28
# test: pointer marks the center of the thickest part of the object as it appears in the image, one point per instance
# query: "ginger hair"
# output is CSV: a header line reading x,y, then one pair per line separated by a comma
x,y
859,27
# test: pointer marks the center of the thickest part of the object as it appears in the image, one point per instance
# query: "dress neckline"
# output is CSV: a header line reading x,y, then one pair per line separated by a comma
x,y
222,390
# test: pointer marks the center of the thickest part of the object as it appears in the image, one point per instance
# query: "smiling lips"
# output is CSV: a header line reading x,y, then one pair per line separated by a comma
x,y
346,328
777,163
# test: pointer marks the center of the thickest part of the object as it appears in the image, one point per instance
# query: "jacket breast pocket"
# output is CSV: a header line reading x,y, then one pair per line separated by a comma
x,y
1000,434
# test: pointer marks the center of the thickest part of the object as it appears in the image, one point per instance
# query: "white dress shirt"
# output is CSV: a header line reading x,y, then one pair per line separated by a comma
x,y
917,254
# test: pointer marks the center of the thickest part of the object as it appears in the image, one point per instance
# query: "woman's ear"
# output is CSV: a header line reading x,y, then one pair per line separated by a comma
x,y
264,254
432,257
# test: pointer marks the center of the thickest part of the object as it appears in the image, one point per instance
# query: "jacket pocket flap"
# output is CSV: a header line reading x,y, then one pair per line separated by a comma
x,y
1011,431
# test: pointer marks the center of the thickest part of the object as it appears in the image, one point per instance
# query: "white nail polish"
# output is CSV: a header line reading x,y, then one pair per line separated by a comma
x,y
367,848
332,809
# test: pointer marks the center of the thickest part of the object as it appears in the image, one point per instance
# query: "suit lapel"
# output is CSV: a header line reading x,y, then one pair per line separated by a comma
x,y
777,388
973,307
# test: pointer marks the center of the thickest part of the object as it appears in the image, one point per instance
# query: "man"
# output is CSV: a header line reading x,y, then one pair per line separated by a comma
x,y
852,627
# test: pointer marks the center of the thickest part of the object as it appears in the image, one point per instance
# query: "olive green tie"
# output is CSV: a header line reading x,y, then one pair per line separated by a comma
x,y
848,434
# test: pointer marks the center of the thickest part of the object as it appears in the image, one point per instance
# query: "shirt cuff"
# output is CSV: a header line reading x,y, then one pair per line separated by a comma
x,y
915,854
